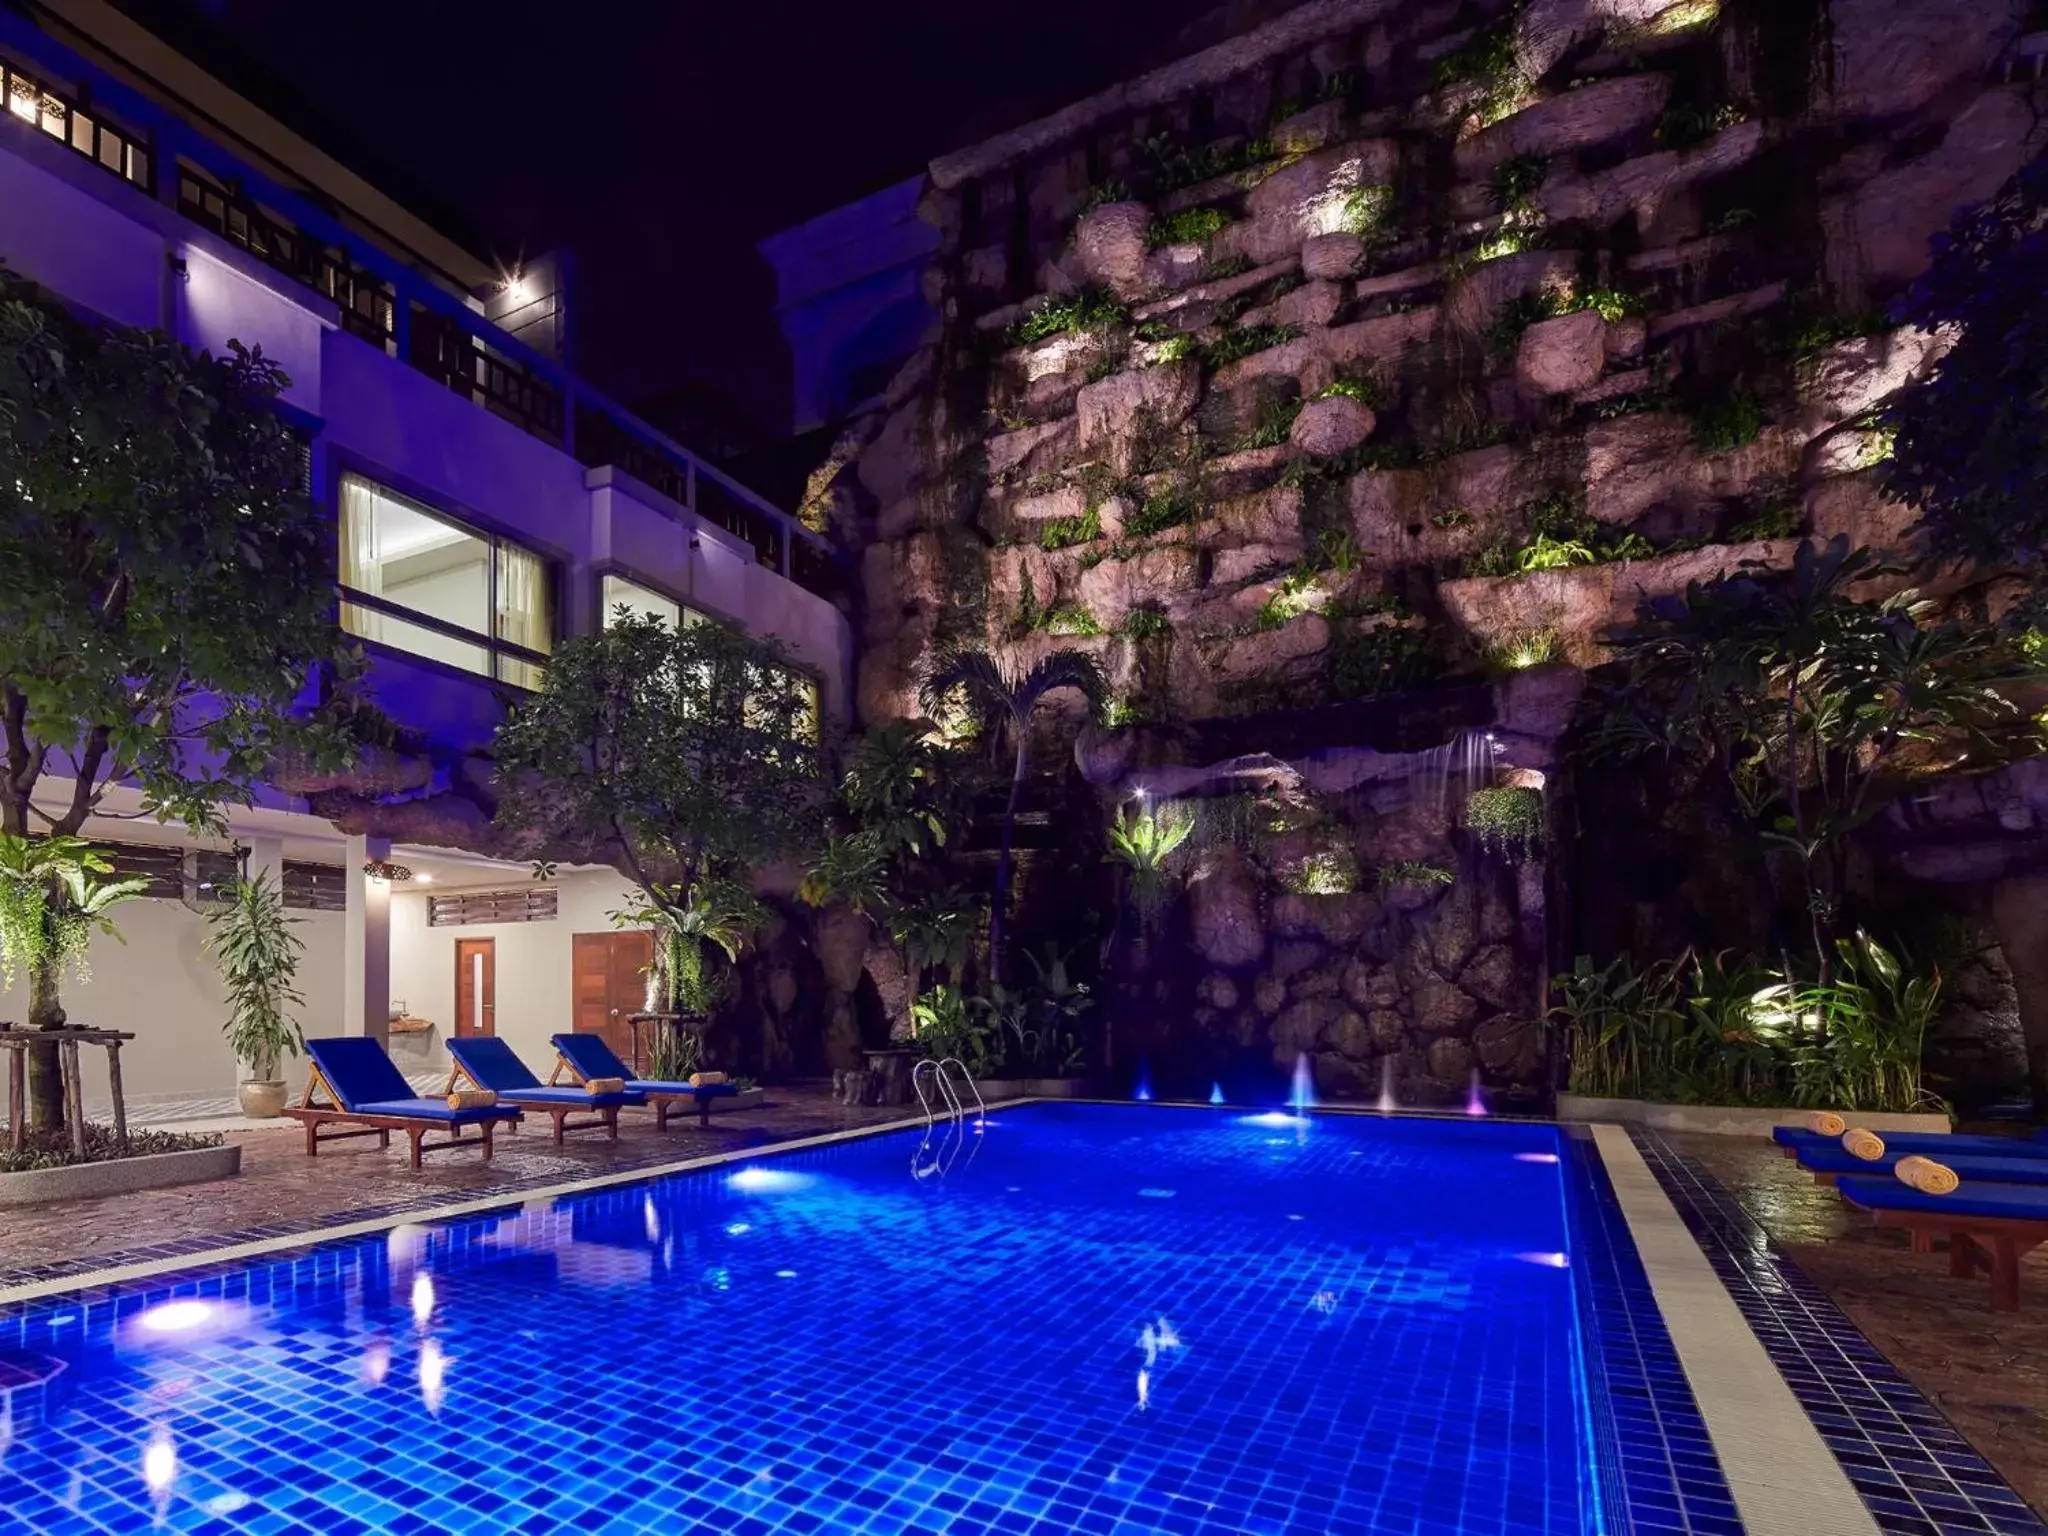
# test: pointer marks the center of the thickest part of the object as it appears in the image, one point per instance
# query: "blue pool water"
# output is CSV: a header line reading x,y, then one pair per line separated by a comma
x,y
1089,1318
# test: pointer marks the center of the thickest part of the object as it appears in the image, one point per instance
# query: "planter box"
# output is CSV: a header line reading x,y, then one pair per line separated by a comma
x,y
999,1090
1729,1120
746,1098
119,1176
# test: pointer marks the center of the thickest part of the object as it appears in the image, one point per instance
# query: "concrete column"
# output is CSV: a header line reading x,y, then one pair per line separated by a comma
x,y
366,944
266,857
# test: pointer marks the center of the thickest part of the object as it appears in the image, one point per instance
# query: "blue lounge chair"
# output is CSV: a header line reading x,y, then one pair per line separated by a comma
x,y
1830,1163
1988,1226
1795,1139
587,1056
364,1089
485,1061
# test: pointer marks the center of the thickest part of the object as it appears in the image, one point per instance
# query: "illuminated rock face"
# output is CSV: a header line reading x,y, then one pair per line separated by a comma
x,y
1352,332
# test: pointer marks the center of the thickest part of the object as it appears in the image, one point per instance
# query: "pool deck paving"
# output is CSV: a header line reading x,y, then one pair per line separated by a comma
x,y
1985,1371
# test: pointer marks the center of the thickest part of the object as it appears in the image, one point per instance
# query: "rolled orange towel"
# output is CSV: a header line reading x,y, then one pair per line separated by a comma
x,y
1867,1145
1927,1176
472,1098
1826,1122
706,1079
604,1085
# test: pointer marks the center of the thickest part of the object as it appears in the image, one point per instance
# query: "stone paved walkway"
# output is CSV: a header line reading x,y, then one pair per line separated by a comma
x,y
281,1190
1987,1371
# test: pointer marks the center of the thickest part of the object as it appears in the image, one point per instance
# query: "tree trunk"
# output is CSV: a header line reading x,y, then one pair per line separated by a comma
x,y
2019,916
45,1011
995,916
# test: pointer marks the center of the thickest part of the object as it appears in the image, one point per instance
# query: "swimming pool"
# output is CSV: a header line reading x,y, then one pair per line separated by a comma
x,y
1088,1318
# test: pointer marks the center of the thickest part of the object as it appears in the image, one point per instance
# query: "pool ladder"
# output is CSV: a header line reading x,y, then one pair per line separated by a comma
x,y
949,1101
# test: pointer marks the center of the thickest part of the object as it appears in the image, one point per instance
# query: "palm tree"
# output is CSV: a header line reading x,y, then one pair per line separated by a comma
x,y
1007,702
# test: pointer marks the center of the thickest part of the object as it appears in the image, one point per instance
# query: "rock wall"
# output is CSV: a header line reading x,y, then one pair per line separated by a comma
x,y
1386,347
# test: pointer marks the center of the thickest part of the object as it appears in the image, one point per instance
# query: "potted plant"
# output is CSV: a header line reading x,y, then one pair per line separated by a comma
x,y
258,954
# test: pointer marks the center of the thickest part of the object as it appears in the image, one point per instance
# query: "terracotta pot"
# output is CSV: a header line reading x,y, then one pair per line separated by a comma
x,y
261,1100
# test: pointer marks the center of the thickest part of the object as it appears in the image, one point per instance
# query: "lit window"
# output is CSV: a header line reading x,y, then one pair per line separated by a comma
x,y
414,581
638,600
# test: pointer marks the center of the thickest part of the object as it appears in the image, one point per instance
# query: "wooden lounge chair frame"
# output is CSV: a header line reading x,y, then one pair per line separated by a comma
x,y
607,1114
313,1116
663,1103
1976,1244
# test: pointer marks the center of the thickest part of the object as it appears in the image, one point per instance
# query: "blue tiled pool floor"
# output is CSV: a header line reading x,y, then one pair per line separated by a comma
x,y
1096,1320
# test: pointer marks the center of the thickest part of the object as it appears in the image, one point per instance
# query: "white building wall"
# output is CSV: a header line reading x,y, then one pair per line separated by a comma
x,y
534,992
160,986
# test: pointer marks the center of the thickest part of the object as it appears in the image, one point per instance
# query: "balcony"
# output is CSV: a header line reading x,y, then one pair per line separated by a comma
x,y
49,91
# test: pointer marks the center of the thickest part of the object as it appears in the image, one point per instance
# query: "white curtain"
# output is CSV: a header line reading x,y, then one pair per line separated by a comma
x,y
362,566
523,617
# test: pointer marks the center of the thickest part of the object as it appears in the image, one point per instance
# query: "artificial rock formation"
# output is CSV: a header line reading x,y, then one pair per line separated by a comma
x,y
1332,363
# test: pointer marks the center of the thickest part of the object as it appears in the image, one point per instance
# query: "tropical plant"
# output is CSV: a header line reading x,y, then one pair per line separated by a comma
x,y
720,912
943,1025
249,935
1008,702
1507,821
688,753
1058,1004
1143,843
1710,1029
936,929
1968,447
53,898
1800,700
168,588
851,870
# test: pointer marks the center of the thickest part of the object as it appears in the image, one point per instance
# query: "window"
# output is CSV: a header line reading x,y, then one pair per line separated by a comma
x,y
529,905
621,593
414,581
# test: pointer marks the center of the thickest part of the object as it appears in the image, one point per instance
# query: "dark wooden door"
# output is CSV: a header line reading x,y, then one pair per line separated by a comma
x,y
610,984
476,987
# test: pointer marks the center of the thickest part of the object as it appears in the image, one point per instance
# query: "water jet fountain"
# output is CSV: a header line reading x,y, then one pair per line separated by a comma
x,y
1143,1092
1302,1096
1387,1102
1215,1093
1475,1101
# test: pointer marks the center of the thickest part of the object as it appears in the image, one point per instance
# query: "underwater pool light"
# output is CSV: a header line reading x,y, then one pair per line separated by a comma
x,y
1547,1260
177,1317
1535,1157
768,1181
1272,1119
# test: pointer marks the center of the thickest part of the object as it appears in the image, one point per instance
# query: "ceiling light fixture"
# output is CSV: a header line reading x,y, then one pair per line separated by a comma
x,y
385,870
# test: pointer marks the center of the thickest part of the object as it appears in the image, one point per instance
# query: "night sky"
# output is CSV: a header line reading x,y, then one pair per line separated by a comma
x,y
660,141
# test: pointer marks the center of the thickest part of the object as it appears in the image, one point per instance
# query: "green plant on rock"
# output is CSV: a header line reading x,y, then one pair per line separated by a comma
x,y
1507,821
1065,532
1069,619
1174,349
1300,591
1276,419
1325,872
1105,192
1413,872
1088,309
1688,124
1144,844
1778,520
1146,624
1361,387
1158,513
1487,60
250,937
1391,658
1363,212
1524,648
1188,226
1244,340
1729,421
1514,181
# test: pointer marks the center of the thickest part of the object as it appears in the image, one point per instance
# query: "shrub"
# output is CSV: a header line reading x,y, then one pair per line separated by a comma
x,y
1523,648
1244,340
1389,659
1413,872
1508,822
1326,872
51,1148
1190,226
1069,619
1146,624
1729,422
1089,309
1064,532
1156,515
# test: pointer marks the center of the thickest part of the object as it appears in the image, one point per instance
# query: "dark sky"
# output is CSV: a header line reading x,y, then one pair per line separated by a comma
x,y
660,141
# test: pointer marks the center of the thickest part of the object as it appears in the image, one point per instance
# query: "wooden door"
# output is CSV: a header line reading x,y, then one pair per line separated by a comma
x,y
610,984
476,987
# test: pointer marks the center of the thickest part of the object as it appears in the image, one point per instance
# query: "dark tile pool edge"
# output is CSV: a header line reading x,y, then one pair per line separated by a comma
x,y
207,1249
1657,1466
1913,1470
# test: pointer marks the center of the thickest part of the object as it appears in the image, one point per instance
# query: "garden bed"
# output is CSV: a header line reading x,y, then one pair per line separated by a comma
x,y
1730,1119
155,1160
